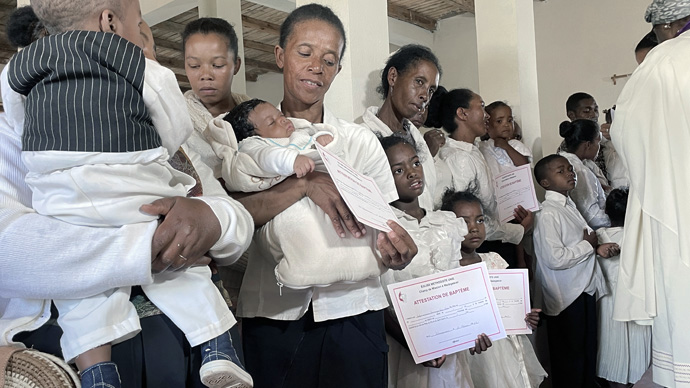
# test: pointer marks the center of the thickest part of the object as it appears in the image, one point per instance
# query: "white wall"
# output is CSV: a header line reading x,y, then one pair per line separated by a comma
x,y
580,45
455,44
268,87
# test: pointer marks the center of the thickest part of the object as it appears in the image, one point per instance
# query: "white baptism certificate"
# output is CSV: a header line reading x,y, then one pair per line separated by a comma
x,y
360,192
443,313
511,288
513,188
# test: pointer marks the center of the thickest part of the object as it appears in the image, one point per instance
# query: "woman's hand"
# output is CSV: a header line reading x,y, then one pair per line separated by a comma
x,y
189,229
322,191
435,363
482,343
435,139
397,247
532,318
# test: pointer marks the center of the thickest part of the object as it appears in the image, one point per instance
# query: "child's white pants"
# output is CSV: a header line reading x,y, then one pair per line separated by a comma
x,y
189,298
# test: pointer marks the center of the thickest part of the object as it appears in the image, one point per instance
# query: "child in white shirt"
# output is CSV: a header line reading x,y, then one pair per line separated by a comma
x,y
512,363
500,150
438,235
569,275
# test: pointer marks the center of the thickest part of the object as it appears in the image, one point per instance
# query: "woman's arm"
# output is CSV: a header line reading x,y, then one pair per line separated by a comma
x,y
318,186
517,158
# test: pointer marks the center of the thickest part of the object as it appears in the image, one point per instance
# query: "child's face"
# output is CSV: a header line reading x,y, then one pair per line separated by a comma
x,y
270,123
130,21
560,176
473,215
407,171
501,123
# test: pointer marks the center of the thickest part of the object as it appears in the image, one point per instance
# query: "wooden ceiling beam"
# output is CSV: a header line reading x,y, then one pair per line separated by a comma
x,y
266,48
412,17
250,22
272,67
171,63
168,44
465,5
168,26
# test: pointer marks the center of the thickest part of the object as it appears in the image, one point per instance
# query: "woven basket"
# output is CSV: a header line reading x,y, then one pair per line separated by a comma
x,y
28,368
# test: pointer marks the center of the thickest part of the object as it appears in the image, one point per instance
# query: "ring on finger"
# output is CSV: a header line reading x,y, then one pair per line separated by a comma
x,y
182,257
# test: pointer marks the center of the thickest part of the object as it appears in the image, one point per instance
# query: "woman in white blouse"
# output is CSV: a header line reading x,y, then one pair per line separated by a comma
x,y
582,139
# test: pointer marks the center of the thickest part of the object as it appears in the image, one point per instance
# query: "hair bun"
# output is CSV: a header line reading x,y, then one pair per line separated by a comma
x,y
433,117
565,129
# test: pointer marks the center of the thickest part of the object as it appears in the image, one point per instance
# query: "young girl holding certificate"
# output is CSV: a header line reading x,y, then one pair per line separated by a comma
x,y
438,235
513,363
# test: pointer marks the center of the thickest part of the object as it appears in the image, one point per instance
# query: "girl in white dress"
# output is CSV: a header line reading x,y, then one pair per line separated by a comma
x,y
513,363
582,139
625,348
500,153
438,235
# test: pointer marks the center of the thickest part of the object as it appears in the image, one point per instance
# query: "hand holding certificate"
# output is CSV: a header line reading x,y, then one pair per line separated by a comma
x,y
513,188
444,313
360,192
511,289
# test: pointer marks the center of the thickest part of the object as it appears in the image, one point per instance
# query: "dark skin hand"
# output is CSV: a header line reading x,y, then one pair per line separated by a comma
x,y
188,230
318,186
435,139
397,247
532,318
517,158
524,217
482,343
591,238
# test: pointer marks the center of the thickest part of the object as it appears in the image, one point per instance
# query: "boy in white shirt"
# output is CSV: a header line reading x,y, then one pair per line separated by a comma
x,y
569,275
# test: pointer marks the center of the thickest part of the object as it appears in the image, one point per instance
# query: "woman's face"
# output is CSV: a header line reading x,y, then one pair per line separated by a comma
x,y
407,170
594,147
210,66
501,123
410,91
476,116
310,61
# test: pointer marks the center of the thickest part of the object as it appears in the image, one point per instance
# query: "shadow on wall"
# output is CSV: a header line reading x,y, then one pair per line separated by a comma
x,y
371,98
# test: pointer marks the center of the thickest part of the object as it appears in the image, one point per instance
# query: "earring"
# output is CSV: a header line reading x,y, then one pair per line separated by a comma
x,y
666,26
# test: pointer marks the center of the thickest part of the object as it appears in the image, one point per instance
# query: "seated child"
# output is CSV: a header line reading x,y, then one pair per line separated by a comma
x,y
512,362
270,148
569,275
101,124
624,347
438,235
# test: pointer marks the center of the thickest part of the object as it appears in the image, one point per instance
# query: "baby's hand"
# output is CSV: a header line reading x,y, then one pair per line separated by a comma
x,y
608,250
303,165
324,140
532,318
591,238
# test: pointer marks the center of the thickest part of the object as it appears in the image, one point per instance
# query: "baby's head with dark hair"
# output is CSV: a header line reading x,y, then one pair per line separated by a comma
x,y
404,60
494,105
452,198
616,203
239,119
206,26
24,27
308,12
577,132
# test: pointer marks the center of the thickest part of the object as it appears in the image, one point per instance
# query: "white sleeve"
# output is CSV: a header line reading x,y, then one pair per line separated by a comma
x,y
590,199
44,258
166,106
273,159
521,148
364,148
618,174
507,233
549,246
237,225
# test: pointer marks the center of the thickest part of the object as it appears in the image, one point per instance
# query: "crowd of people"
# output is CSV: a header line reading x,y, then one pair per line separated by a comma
x,y
153,221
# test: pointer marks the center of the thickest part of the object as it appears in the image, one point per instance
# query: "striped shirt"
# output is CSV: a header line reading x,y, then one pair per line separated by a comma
x,y
84,94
